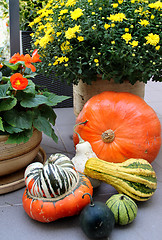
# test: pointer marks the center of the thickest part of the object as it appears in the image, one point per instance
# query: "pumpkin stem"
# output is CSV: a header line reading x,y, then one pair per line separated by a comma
x,y
80,139
91,199
108,136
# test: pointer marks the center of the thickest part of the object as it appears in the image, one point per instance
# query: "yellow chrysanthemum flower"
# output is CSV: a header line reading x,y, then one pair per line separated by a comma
x,y
65,47
37,20
152,16
134,43
127,37
152,39
70,3
106,26
31,24
157,47
76,13
156,5
115,5
119,17
96,60
58,34
70,33
80,38
144,22
63,11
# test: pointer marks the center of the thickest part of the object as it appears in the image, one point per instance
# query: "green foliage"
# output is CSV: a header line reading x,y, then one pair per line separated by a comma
x,y
82,38
28,12
23,109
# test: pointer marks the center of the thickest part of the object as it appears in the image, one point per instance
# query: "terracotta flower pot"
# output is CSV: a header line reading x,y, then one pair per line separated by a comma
x,y
83,92
14,157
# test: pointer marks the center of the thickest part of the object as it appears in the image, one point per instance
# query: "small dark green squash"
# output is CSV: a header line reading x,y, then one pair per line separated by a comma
x,y
97,220
123,208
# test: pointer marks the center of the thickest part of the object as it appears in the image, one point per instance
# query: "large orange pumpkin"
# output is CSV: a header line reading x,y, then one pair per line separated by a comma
x,y
120,126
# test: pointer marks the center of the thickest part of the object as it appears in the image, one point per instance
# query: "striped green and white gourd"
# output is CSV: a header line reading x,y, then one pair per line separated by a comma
x,y
123,208
53,179
134,177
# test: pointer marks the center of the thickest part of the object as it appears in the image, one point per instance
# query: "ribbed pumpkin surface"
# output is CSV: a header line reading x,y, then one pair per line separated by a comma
x,y
120,126
123,208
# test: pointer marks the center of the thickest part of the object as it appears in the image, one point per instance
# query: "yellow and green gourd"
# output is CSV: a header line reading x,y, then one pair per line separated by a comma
x,y
134,177
123,208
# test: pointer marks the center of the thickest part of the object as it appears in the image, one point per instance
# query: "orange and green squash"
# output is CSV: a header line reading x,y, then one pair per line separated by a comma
x,y
54,190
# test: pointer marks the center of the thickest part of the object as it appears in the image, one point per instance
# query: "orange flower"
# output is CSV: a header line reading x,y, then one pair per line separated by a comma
x,y
28,60
16,58
35,56
18,82
1,65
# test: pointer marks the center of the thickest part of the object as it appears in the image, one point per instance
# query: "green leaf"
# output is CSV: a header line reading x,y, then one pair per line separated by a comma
x,y
54,136
14,66
31,75
10,129
5,78
19,119
20,137
30,88
31,102
54,99
48,113
8,104
1,125
43,125
3,89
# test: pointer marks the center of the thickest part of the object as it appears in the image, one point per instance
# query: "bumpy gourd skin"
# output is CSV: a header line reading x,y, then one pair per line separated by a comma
x,y
134,177
119,126
55,190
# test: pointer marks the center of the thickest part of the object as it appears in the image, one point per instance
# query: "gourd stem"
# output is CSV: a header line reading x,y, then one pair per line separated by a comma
x,y
92,203
122,197
108,136
80,139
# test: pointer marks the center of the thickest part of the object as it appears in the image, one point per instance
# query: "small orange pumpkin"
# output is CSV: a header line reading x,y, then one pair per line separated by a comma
x,y
54,190
120,126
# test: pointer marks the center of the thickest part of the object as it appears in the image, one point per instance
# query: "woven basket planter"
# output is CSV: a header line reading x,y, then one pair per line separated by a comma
x,y
14,157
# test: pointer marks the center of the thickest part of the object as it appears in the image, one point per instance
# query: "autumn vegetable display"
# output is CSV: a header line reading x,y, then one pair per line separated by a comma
x,y
120,126
123,208
83,153
54,190
97,220
23,105
134,177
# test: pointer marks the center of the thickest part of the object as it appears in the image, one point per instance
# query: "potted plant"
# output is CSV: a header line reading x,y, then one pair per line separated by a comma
x,y
25,112
116,40
27,13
